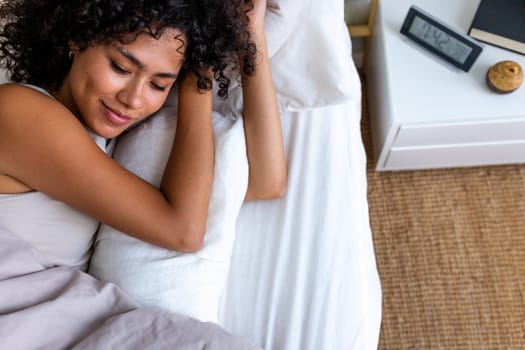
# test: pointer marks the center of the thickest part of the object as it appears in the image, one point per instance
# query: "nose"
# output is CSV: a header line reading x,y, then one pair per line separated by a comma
x,y
132,94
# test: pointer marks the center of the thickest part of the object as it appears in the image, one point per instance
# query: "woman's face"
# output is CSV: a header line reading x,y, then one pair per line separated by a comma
x,y
111,87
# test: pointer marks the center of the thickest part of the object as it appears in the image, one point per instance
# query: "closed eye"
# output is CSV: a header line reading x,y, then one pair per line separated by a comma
x,y
118,68
158,87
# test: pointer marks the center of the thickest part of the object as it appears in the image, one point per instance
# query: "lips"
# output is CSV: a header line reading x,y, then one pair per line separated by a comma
x,y
115,117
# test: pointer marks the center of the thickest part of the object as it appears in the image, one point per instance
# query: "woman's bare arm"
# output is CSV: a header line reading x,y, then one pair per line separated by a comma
x,y
267,168
189,172
45,147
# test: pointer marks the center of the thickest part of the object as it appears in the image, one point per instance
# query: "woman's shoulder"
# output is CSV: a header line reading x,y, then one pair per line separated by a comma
x,y
17,92
27,113
19,100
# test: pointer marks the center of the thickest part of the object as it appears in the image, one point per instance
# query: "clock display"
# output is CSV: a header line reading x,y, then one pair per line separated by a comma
x,y
440,40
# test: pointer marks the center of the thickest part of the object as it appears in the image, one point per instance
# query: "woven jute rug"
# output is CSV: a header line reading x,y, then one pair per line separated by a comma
x,y
450,250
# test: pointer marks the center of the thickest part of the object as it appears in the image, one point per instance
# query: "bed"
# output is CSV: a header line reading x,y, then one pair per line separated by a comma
x,y
287,274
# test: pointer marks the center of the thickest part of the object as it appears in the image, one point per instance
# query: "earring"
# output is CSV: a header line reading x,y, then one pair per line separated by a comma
x,y
71,55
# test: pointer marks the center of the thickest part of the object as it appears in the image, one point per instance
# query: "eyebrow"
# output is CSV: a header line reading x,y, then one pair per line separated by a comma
x,y
141,65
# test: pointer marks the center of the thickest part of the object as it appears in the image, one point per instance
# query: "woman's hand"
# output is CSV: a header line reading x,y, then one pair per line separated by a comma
x,y
256,17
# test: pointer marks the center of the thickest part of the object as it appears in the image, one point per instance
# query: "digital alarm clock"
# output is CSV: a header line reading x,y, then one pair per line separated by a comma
x,y
440,39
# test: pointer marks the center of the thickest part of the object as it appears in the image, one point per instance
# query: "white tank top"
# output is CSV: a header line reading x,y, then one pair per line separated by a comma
x,y
62,234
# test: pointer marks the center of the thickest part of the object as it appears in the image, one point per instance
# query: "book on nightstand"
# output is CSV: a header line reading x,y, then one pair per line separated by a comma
x,y
500,23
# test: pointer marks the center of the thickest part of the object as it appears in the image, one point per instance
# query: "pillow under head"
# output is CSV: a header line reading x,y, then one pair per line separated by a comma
x,y
190,284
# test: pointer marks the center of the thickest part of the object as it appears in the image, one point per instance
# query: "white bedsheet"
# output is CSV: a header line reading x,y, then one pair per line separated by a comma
x,y
303,274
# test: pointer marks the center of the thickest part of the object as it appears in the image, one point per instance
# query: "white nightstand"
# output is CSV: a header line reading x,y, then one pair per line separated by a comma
x,y
423,114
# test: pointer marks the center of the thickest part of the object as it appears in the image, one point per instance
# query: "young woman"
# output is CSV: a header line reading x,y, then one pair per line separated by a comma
x,y
90,70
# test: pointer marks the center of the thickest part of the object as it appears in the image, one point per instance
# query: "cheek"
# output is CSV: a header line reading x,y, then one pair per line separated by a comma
x,y
101,82
94,77
155,101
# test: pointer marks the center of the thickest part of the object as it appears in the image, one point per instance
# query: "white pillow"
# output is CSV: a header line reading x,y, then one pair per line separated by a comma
x,y
190,284
3,76
311,52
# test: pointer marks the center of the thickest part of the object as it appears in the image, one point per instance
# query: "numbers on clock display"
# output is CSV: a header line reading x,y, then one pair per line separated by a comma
x,y
440,39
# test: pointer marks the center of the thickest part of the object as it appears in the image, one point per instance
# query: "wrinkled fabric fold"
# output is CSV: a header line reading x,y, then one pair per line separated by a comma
x,y
46,307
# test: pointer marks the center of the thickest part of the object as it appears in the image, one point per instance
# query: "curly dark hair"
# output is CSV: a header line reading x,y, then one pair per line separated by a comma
x,y
35,35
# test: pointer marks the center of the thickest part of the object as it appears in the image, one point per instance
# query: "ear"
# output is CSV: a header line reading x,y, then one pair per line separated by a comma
x,y
73,48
